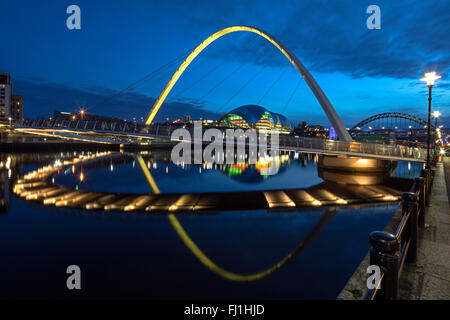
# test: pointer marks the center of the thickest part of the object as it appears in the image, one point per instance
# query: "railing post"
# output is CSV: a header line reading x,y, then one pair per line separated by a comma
x,y
420,190
410,205
426,174
384,253
432,174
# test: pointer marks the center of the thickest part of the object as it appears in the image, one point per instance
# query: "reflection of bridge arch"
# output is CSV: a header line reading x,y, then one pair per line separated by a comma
x,y
37,185
309,238
44,174
331,113
389,115
207,262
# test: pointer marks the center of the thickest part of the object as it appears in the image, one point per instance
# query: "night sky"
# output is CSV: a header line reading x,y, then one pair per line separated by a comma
x,y
362,71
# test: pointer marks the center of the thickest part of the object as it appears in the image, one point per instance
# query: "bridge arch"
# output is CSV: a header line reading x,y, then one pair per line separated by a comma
x,y
386,115
326,105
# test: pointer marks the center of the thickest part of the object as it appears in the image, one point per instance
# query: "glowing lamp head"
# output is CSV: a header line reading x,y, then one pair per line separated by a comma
x,y
430,78
436,114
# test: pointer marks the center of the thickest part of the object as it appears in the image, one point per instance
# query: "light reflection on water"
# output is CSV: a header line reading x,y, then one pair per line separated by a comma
x,y
142,256
293,171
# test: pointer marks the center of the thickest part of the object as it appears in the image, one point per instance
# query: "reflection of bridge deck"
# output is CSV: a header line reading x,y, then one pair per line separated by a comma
x,y
324,194
37,186
120,132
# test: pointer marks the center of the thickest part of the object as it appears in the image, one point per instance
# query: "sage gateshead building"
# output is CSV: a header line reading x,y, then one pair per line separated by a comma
x,y
256,117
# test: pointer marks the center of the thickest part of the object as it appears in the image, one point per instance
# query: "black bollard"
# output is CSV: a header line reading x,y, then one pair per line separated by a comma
x,y
384,253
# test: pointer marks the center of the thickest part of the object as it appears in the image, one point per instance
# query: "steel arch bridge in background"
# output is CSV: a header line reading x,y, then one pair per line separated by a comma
x,y
389,115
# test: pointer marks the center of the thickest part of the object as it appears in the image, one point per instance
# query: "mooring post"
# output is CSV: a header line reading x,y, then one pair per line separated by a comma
x,y
384,253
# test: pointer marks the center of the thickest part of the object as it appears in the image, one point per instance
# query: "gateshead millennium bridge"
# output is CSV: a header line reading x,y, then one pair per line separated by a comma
x,y
118,132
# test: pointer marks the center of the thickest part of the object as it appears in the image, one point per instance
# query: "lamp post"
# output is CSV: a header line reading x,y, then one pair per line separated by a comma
x,y
430,78
436,115
82,114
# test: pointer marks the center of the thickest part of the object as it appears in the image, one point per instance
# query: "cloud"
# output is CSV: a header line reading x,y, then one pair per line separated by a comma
x,y
42,98
331,36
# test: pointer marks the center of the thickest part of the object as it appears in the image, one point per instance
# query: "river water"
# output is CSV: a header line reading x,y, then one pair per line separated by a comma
x,y
141,255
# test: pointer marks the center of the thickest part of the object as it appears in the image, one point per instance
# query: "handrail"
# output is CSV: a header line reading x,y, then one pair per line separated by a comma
x,y
390,251
372,293
403,257
402,225
290,141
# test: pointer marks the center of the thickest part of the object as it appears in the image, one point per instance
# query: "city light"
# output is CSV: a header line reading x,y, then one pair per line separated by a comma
x,y
436,114
270,195
430,78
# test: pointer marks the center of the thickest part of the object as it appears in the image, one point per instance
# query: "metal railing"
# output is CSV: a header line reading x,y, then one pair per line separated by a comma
x,y
390,251
285,141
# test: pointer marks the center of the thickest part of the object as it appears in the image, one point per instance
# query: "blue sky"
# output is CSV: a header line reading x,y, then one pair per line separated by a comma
x,y
363,72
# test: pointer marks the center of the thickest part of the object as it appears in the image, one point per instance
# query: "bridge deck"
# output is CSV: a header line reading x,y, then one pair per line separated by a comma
x,y
121,132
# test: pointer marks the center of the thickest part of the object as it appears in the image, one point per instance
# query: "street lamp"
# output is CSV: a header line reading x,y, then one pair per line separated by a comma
x,y
430,78
436,115
82,114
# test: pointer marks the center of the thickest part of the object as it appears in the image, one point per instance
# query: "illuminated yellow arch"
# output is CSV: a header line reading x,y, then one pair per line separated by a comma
x,y
331,113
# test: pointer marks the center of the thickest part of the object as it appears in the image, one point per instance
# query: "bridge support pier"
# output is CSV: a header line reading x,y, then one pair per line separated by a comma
x,y
354,164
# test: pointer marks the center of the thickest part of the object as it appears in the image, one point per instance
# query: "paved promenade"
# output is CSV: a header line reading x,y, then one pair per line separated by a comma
x,y
429,278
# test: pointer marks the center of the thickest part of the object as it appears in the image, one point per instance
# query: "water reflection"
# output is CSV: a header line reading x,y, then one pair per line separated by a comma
x,y
264,168
338,189
5,196
205,260
142,202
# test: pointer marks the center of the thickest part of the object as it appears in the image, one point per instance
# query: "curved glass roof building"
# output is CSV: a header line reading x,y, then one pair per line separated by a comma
x,y
254,116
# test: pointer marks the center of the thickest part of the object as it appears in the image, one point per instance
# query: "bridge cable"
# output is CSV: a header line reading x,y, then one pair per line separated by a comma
x,y
231,74
272,85
241,88
204,76
292,95
245,84
145,78
200,79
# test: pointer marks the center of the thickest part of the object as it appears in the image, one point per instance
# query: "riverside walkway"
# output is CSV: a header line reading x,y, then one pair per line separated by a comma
x,y
429,277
